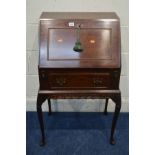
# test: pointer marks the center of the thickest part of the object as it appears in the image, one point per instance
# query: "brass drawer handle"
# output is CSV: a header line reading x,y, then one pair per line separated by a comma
x,y
97,82
61,81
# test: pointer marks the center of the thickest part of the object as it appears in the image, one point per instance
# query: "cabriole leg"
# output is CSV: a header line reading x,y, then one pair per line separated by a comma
x,y
106,105
117,100
40,100
49,107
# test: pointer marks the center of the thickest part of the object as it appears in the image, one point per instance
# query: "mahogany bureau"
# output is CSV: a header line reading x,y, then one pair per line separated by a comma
x,y
79,57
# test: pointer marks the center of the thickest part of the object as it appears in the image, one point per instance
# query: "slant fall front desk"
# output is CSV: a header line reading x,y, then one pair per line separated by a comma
x,y
79,57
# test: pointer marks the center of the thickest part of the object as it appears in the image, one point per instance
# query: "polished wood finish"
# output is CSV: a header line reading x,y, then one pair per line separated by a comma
x,y
72,79
57,38
93,72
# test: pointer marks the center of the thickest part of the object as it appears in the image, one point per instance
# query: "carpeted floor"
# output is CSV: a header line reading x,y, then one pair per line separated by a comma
x,y
77,134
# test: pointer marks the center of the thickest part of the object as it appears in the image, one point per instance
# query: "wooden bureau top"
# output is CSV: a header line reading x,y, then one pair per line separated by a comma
x,y
79,15
99,36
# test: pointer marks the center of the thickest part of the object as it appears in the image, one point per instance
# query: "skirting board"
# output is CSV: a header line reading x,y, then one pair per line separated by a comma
x,y
77,105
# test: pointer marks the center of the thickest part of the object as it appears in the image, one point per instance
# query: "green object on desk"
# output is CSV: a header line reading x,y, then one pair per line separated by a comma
x,y
78,45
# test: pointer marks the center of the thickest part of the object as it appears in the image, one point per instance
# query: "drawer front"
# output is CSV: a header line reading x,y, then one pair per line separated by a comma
x,y
79,80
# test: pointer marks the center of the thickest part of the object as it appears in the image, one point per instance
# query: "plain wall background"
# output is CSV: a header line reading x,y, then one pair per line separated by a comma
x,y
34,10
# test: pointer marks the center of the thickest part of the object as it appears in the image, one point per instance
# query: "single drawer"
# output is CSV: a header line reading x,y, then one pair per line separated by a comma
x,y
79,80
